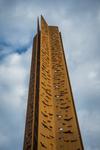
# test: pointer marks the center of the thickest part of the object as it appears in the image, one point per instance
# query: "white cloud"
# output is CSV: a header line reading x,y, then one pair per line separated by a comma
x,y
3,139
12,78
14,73
90,125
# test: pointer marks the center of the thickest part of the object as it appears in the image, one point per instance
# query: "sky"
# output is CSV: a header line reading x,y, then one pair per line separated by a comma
x,y
79,23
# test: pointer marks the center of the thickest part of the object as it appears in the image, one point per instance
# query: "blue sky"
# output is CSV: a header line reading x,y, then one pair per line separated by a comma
x,y
79,23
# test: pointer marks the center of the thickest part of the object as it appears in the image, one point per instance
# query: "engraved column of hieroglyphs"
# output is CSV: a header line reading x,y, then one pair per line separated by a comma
x,y
46,129
66,129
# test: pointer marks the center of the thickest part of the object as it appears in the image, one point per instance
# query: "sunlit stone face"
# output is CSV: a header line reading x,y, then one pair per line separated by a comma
x,y
53,124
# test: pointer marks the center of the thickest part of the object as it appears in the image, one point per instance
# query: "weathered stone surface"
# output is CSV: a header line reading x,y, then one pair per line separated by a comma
x,y
51,121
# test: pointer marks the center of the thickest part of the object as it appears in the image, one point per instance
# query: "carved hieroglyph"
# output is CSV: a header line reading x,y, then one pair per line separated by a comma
x,y
51,121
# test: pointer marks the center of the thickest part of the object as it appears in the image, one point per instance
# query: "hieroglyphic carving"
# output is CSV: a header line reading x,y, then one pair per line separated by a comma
x,y
51,121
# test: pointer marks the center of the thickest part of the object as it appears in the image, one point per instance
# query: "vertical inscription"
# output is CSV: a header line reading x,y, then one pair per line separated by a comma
x,y
67,133
51,120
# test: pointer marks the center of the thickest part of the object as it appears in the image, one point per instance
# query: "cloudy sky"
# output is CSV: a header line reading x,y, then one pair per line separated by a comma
x,y
79,23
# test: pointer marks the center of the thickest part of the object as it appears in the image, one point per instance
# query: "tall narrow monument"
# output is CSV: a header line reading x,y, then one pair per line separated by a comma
x,y
51,121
